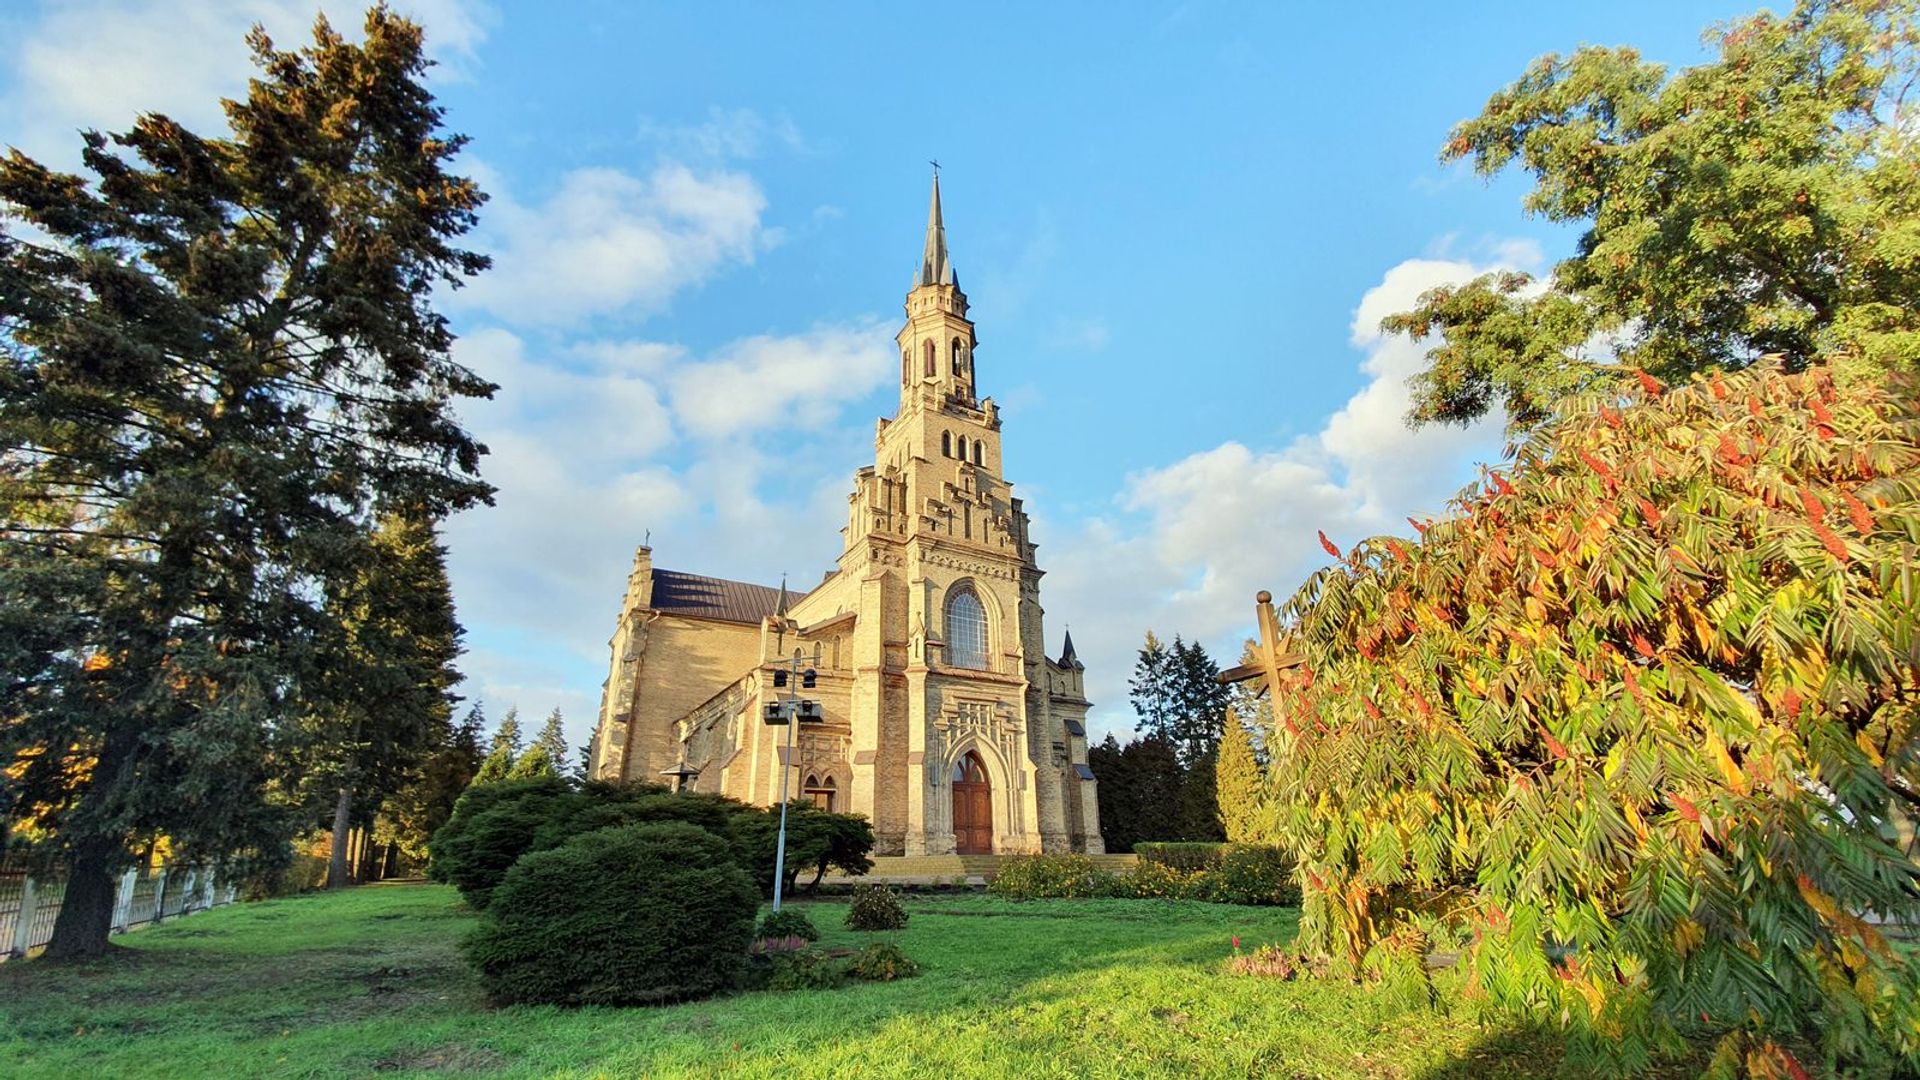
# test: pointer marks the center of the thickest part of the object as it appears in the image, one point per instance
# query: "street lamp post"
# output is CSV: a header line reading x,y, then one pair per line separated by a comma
x,y
786,711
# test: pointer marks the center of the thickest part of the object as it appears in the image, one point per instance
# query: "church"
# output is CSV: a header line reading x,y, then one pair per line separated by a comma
x,y
944,721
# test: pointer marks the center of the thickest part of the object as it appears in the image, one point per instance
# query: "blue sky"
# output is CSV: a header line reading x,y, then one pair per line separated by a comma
x,y
1179,225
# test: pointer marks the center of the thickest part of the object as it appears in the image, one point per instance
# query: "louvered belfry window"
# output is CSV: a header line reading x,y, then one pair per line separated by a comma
x,y
966,629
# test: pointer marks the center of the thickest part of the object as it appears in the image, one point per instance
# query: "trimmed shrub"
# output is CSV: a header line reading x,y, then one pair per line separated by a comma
x,y
1147,879
1184,855
875,907
492,826
1054,877
806,969
1249,874
785,923
881,961
625,916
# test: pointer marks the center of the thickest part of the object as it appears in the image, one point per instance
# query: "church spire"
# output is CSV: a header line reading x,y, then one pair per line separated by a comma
x,y
935,268
1069,658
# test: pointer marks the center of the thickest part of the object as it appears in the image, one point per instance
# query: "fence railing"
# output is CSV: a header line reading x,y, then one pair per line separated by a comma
x,y
29,905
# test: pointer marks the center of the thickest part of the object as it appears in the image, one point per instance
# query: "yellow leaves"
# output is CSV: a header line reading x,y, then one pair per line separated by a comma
x,y
1816,899
97,662
1717,750
1687,936
1865,742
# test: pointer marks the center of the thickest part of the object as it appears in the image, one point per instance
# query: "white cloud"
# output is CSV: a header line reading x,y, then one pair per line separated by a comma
x,y
724,134
1194,540
101,63
588,457
766,383
607,241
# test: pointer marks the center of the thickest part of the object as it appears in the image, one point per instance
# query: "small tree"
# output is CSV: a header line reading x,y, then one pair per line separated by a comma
x,y
535,762
504,751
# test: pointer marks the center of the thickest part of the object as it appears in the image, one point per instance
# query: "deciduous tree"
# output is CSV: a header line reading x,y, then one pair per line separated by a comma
x,y
1765,202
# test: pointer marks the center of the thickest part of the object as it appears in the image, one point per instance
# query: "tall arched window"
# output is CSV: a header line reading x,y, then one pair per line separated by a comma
x,y
931,370
906,372
946,444
976,451
963,448
966,629
956,357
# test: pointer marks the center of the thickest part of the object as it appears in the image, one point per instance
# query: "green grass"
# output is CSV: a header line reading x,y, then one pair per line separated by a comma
x,y
369,982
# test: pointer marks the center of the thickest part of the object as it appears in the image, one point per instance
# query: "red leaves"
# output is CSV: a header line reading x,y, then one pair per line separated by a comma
x,y
1790,702
1816,512
1753,406
1598,466
1501,483
1730,452
1820,411
1399,549
1830,540
1641,645
1554,746
1419,527
1372,709
1718,386
1650,512
1633,686
1858,513
1328,544
1611,416
1686,807
1649,384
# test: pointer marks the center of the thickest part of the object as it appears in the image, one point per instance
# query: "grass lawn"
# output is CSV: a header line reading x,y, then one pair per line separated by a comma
x,y
370,982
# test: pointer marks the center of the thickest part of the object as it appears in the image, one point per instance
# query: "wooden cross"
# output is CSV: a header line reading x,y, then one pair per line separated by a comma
x,y
1272,654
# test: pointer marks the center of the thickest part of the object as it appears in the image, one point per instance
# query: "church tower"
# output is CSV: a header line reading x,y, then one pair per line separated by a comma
x,y
945,721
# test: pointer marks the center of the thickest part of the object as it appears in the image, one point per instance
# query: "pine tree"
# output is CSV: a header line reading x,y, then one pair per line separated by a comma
x,y
1240,784
508,734
216,373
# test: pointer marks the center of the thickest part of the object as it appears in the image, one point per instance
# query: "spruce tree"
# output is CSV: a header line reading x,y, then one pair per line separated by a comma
x,y
219,367
553,739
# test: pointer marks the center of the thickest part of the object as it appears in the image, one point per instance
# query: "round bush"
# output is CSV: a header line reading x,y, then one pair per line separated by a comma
x,y
632,915
1250,874
875,907
493,825
1052,877
788,922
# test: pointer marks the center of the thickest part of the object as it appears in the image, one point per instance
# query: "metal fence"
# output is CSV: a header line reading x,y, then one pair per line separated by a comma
x,y
144,896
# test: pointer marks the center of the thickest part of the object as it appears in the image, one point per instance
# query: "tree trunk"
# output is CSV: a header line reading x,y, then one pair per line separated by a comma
x,y
337,876
86,910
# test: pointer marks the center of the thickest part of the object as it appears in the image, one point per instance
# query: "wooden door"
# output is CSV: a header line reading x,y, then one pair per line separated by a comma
x,y
972,808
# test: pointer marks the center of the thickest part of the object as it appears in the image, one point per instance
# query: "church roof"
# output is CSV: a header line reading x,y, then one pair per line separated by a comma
x,y
713,598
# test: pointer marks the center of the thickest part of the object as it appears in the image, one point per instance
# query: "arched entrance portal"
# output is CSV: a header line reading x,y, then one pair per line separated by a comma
x,y
972,807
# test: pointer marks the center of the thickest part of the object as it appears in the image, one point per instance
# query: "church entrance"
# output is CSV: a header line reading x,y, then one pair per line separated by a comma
x,y
972,807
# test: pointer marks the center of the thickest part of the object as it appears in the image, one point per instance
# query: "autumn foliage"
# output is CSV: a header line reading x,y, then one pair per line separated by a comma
x,y
1634,723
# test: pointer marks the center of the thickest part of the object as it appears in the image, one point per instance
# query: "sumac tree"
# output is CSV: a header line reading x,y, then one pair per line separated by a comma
x,y
1636,718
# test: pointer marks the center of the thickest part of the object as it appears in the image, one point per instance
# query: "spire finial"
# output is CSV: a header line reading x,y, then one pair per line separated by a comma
x,y
780,608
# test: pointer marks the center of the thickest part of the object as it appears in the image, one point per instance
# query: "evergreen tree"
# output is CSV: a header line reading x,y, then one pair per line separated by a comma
x,y
1199,801
382,671
1150,690
1240,784
537,761
508,734
222,365
418,811
553,739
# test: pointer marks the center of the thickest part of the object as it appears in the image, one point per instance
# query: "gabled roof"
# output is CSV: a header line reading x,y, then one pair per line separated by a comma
x,y
712,598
